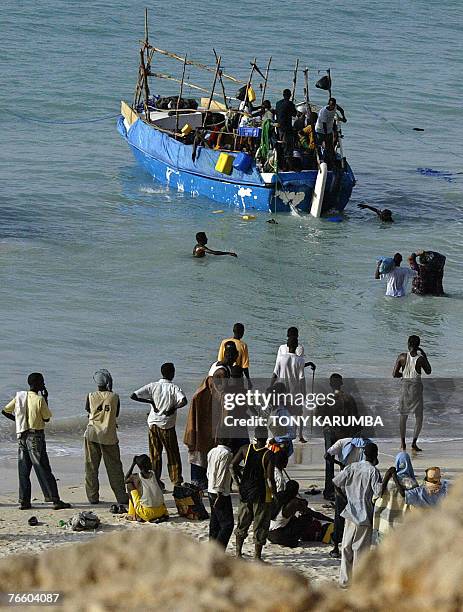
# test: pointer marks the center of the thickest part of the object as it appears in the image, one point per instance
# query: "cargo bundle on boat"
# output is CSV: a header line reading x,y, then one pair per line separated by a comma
x,y
231,148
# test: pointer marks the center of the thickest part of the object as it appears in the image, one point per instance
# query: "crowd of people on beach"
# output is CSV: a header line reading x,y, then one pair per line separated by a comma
x,y
366,506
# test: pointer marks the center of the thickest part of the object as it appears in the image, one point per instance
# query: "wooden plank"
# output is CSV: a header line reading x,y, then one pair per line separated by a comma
x,y
128,113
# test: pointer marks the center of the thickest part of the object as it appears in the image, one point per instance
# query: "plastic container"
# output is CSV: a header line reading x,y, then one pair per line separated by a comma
x,y
186,129
224,163
248,217
242,162
251,94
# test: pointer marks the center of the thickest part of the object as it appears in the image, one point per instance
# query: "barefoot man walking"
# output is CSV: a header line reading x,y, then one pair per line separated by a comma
x,y
409,367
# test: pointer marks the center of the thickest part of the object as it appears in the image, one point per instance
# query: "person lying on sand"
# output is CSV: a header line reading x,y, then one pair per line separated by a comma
x,y
201,249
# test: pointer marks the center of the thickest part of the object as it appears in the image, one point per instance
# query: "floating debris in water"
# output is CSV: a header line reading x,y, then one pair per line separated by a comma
x,y
446,176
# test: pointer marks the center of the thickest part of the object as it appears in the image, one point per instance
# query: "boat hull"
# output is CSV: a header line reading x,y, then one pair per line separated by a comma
x,y
171,163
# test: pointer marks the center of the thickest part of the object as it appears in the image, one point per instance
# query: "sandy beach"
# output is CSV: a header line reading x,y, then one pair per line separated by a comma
x,y
306,466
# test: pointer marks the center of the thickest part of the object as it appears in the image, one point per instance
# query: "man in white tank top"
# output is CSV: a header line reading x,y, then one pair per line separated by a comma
x,y
409,367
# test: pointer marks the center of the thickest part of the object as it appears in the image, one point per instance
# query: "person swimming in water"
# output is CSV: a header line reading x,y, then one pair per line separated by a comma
x,y
384,215
201,249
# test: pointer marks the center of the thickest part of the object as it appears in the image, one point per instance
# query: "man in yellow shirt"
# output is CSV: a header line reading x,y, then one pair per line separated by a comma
x,y
29,410
243,355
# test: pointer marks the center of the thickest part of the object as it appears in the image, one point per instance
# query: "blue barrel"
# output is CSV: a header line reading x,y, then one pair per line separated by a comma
x,y
243,162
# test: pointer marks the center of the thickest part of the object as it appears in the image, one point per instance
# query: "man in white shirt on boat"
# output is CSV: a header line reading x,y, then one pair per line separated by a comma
x,y
325,127
397,278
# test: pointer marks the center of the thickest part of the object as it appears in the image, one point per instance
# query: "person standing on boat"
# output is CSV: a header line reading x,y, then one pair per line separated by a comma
x,y
409,367
285,110
201,249
396,278
325,127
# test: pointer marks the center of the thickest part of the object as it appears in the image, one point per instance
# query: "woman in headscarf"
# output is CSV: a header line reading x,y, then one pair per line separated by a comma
x,y
390,506
430,492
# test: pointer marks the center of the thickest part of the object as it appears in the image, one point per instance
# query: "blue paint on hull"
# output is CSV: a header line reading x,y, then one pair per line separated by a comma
x,y
170,162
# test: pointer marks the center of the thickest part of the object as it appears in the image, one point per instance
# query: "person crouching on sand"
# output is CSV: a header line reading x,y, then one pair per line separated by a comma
x,y
146,503
201,249
29,410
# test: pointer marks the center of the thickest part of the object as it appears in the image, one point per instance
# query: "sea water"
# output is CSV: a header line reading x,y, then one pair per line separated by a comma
x,y
95,257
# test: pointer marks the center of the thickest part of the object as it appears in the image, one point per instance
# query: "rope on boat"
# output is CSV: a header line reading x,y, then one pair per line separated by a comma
x,y
55,122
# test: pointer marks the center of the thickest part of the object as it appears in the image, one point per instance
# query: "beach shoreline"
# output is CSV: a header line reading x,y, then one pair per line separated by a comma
x,y
306,466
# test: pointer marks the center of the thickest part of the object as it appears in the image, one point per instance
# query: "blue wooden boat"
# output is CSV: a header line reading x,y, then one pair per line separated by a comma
x,y
163,141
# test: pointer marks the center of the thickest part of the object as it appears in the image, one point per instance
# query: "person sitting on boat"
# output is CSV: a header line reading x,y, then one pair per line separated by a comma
x,y
384,215
325,127
285,111
201,249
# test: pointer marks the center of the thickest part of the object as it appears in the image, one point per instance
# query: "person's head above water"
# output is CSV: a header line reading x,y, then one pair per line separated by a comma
x,y
292,344
168,371
36,381
143,462
287,94
386,215
238,330
336,381
413,343
201,238
397,259
371,453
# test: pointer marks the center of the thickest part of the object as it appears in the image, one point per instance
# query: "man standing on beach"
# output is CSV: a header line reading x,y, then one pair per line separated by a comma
x,y
101,440
165,399
409,367
343,452
256,483
243,356
344,406
283,348
29,410
397,278
289,369
219,486
359,482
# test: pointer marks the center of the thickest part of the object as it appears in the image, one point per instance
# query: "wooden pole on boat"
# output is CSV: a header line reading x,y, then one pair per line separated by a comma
x,y
296,68
180,94
248,84
309,112
145,82
209,102
264,89
193,63
221,82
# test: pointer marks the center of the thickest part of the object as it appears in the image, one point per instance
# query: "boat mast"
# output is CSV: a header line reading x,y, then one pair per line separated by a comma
x,y
143,66
309,112
296,68
180,94
209,102
264,89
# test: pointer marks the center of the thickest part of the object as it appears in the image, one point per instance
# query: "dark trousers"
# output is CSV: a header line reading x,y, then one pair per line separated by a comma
x,y
199,475
32,453
339,505
330,439
221,523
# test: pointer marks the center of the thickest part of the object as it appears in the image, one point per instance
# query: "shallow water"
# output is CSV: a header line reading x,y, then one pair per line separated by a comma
x,y
95,262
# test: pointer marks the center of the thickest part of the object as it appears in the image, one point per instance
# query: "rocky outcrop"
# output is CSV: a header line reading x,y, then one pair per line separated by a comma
x,y
155,569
